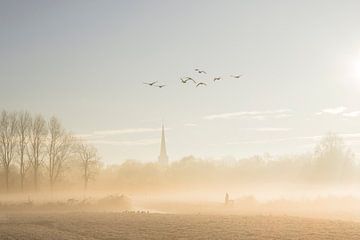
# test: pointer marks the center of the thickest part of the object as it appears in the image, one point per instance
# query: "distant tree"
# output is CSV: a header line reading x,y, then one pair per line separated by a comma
x,y
89,162
332,158
37,144
58,150
8,137
23,131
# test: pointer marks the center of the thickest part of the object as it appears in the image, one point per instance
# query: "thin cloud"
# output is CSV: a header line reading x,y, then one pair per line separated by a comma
x,y
333,111
267,129
83,135
339,111
252,114
352,114
312,138
99,135
349,137
272,129
126,131
140,142
283,115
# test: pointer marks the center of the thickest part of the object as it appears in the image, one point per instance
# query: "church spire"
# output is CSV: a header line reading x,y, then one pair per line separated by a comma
x,y
163,158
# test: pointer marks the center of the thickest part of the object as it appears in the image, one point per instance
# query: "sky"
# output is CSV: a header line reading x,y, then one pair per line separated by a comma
x,y
85,62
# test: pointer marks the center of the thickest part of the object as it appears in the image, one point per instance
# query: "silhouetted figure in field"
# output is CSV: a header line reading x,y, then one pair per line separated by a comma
x,y
226,199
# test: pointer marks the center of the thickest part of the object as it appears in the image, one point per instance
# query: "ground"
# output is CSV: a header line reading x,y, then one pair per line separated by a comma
x,y
169,226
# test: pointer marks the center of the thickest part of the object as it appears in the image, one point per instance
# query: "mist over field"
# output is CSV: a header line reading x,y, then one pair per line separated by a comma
x,y
312,195
179,119
46,168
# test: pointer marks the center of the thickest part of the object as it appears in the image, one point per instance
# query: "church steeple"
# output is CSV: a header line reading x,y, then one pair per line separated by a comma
x,y
163,158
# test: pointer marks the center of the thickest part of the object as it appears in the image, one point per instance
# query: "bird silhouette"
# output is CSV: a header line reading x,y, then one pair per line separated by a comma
x,y
236,76
160,86
150,83
183,80
217,79
186,79
200,71
201,83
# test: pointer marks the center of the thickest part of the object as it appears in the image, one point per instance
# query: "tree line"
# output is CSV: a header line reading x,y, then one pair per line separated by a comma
x,y
30,144
330,163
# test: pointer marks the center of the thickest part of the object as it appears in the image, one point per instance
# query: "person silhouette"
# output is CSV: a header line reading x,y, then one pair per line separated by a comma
x,y
226,199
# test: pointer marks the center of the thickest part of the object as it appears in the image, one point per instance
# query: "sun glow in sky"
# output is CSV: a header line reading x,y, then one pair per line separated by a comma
x,y
356,69
86,61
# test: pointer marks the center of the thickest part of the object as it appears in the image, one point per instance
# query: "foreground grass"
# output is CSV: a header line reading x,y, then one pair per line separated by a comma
x,y
168,226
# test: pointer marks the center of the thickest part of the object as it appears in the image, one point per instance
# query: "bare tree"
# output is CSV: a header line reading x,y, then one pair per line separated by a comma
x,y
8,134
23,130
58,150
89,161
333,159
37,143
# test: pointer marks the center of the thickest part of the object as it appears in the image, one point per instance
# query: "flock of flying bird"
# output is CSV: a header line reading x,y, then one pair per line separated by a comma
x,y
189,79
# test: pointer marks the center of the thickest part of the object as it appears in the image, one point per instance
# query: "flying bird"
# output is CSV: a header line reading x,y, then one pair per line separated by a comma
x,y
201,83
200,71
183,80
186,79
236,76
150,83
217,79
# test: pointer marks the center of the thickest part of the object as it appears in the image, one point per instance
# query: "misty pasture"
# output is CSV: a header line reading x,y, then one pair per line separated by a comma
x,y
140,119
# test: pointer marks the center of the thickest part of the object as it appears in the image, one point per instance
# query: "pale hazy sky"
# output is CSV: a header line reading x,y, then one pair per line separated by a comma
x,y
85,61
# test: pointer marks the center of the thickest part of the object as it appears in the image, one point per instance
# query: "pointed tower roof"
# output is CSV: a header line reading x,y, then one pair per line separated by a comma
x,y
163,158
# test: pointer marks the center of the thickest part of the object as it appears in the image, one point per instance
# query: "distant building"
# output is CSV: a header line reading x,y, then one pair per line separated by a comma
x,y
163,157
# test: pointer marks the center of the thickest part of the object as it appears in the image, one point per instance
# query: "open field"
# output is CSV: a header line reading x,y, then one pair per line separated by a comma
x,y
169,226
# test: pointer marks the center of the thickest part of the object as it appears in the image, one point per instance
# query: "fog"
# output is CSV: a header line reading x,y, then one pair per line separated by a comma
x,y
71,176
